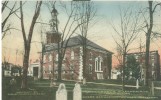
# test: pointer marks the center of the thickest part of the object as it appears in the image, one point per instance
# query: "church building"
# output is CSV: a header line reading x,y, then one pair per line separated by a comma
x,y
98,59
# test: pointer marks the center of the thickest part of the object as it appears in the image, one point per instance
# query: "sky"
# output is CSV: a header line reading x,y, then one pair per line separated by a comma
x,y
101,32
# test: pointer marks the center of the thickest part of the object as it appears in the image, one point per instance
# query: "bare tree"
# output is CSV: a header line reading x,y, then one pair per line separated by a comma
x,y
149,27
11,9
126,34
27,41
87,10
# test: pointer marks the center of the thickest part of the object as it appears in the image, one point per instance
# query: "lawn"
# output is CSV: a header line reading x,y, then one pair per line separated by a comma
x,y
41,90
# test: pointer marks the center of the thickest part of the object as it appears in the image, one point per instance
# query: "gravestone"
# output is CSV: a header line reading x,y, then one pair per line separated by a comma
x,y
61,93
137,84
77,92
84,81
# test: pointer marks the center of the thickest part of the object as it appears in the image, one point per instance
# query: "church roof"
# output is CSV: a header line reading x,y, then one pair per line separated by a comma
x,y
76,41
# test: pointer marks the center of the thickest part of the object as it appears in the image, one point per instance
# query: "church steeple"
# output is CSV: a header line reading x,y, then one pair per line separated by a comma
x,y
53,36
54,20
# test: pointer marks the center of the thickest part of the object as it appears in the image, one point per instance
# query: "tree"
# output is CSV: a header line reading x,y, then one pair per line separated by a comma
x,y
118,56
42,56
127,33
132,68
8,9
27,41
148,37
87,10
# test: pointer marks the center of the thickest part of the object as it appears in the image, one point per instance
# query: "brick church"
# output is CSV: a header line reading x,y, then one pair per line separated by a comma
x,y
98,59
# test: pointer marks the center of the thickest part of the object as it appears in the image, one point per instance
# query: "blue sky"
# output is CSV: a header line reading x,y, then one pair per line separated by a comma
x,y
101,32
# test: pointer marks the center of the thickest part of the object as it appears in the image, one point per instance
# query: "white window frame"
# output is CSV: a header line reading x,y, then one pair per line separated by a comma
x,y
153,64
50,68
50,57
72,54
98,64
56,57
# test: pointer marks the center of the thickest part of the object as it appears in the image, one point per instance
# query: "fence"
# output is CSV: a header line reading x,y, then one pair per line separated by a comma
x,y
61,93
153,88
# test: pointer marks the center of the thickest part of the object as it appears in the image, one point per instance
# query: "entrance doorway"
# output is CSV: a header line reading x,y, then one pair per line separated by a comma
x,y
35,71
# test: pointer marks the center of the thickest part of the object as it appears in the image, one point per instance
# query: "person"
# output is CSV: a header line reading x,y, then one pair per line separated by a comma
x,y
13,84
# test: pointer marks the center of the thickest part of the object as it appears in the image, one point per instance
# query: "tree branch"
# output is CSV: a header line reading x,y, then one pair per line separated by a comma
x,y
156,6
37,12
22,24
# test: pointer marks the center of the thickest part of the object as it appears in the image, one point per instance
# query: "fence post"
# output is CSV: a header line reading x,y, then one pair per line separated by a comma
x,y
77,92
61,93
137,84
152,87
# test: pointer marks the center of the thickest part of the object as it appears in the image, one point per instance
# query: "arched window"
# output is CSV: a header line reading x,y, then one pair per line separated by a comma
x,y
72,55
101,63
98,63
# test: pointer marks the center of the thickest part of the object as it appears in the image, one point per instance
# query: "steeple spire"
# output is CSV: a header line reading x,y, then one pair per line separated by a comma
x,y
54,20
53,36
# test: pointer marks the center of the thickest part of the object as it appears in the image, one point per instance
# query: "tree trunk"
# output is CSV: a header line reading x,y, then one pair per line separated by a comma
x,y
148,35
27,42
60,61
41,62
84,61
59,71
25,68
147,61
123,72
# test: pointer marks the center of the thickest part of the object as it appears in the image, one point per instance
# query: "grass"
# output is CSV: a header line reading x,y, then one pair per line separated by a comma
x,y
119,82
41,90
157,83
